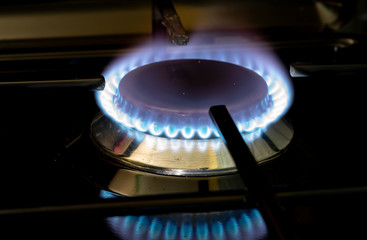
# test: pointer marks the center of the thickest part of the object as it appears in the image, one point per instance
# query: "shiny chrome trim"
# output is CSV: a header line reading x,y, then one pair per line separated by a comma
x,y
182,157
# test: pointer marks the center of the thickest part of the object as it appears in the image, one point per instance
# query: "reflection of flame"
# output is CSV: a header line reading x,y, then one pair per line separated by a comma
x,y
260,61
232,224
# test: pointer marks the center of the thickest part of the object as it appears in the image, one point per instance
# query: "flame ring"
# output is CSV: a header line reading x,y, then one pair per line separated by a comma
x,y
279,89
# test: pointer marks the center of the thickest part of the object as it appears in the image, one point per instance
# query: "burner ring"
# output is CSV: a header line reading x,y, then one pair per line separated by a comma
x,y
172,97
152,150
259,61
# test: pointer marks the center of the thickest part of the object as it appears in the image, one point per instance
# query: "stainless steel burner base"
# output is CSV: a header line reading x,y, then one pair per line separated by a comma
x,y
181,157
132,183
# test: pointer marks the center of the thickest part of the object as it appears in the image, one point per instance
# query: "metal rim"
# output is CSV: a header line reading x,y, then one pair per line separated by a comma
x,y
128,147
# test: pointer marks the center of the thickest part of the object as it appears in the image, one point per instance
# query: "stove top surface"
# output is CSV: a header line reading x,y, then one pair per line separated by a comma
x,y
38,125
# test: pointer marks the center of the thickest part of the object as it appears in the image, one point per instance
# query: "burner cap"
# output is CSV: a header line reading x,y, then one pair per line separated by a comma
x,y
173,97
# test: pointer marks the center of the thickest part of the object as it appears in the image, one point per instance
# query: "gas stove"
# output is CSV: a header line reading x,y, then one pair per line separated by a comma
x,y
104,138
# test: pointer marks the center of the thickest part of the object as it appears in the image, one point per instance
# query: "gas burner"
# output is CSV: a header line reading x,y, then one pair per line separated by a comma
x,y
156,124
233,224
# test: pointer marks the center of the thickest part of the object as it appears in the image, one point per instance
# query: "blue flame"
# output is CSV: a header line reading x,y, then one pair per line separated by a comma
x,y
186,230
258,60
156,228
233,224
